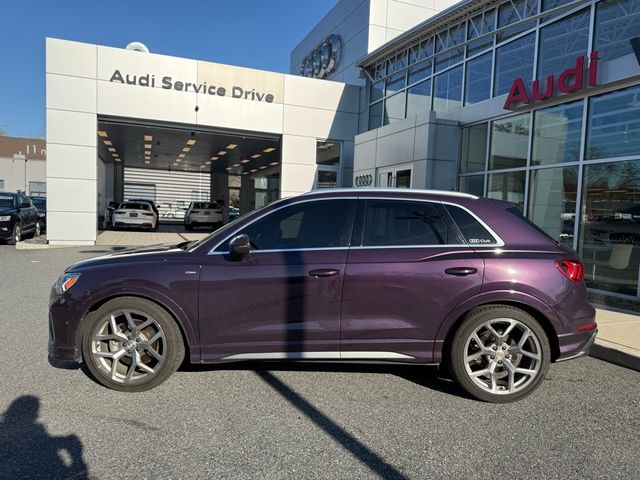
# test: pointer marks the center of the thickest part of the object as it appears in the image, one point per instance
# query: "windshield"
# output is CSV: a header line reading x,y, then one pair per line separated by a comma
x,y
7,201
204,205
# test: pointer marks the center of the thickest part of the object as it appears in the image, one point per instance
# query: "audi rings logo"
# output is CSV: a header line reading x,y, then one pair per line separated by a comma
x,y
323,60
364,180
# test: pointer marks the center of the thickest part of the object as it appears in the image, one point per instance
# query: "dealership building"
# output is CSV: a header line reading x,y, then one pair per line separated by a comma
x,y
532,101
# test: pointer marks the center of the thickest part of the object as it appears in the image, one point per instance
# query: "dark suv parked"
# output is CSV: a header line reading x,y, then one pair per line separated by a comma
x,y
18,217
401,276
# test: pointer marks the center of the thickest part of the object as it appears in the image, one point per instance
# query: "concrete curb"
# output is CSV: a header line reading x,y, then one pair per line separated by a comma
x,y
38,246
614,356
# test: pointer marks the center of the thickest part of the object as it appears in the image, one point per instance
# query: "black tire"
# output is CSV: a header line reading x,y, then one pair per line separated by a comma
x,y
474,320
16,234
172,348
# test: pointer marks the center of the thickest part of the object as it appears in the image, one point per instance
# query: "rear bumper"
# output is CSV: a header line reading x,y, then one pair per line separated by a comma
x,y
574,345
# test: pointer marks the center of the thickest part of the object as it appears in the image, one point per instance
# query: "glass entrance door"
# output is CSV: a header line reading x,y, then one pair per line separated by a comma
x,y
395,177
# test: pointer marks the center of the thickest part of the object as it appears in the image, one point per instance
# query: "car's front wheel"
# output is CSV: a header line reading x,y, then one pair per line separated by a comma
x,y
131,344
499,353
16,235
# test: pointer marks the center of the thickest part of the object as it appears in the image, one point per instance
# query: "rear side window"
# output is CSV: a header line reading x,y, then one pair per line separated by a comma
x,y
136,206
309,225
403,223
472,230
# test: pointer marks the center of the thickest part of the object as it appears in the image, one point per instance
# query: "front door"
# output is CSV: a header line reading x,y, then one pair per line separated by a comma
x,y
283,299
405,271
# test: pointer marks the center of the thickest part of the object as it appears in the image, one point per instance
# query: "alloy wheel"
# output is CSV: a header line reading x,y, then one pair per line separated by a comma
x,y
17,233
38,229
128,346
502,356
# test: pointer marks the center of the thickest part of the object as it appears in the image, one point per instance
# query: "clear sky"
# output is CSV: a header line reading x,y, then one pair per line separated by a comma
x,y
251,33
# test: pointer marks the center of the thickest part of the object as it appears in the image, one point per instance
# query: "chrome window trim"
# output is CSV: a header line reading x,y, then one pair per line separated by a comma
x,y
499,242
303,200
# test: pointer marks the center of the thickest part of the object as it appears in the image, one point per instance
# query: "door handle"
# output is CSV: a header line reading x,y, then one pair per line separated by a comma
x,y
460,271
323,272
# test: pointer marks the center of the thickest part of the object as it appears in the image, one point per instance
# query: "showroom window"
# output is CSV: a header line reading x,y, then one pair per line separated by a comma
x,y
509,142
617,21
447,91
614,124
376,91
557,132
394,108
375,115
474,148
514,60
316,224
328,155
473,184
552,201
561,43
419,98
610,231
392,222
513,12
478,79
446,40
478,26
38,189
508,186
419,71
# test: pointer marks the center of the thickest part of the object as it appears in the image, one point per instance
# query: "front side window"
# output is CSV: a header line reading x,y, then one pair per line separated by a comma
x,y
405,223
308,225
7,201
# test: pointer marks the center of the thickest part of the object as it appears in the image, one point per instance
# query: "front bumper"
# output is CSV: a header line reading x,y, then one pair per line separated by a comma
x,y
574,345
6,230
64,333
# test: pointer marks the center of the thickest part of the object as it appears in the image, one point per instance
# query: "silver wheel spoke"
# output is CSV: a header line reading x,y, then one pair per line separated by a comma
x,y
153,352
132,367
114,363
142,365
155,338
130,322
114,327
142,326
526,371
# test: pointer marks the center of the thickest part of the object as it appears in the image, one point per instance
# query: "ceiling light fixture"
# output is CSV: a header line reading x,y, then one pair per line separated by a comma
x,y
245,173
148,138
186,149
191,141
147,146
257,155
147,161
274,163
236,165
108,142
245,161
268,150
111,149
208,162
262,167
214,158
228,168
231,146
181,155
102,133
222,152
254,170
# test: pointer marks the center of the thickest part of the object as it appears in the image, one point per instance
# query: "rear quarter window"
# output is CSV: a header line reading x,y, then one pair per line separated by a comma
x,y
472,230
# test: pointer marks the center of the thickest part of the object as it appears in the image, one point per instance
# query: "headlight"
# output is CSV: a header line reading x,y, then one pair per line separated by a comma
x,y
65,282
6,218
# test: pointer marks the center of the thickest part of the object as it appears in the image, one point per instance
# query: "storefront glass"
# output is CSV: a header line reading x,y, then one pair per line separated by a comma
x,y
610,233
474,148
514,60
419,98
557,134
509,142
508,186
617,21
552,201
478,80
447,93
473,184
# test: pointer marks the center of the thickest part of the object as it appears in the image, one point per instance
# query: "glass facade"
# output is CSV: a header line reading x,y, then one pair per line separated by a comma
x,y
573,168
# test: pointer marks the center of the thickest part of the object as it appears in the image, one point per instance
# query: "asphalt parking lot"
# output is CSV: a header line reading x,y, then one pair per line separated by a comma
x,y
292,421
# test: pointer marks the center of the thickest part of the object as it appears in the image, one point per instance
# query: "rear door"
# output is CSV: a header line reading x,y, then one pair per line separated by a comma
x,y
407,267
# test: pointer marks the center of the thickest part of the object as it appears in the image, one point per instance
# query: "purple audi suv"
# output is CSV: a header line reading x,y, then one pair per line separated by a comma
x,y
403,276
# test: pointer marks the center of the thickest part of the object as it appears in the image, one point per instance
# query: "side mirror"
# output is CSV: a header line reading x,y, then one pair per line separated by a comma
x,y
240,245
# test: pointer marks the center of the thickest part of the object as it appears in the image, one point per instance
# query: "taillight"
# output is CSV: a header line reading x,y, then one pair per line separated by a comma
x,y
574,271
587,327
147,214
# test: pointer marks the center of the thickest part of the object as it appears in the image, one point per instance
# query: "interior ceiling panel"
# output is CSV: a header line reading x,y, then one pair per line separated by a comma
x,y
163,148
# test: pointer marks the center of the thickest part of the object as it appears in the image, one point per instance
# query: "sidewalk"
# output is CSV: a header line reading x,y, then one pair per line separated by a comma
x,y
618,338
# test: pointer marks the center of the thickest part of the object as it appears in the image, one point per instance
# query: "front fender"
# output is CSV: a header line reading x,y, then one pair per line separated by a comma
x,y
185,322
483,298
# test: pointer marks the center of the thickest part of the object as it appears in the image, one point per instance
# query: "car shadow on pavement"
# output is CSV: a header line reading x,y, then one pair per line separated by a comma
x,y
427,376
27,450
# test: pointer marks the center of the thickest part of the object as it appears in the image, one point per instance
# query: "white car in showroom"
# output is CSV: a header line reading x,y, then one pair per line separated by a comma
x,y
205,214
135,214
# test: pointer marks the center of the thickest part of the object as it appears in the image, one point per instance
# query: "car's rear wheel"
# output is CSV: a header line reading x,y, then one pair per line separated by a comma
x,y
16,235
131,344
499,353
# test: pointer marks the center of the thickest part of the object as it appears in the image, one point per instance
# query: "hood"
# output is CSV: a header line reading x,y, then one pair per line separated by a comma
x,y
7,211
147,253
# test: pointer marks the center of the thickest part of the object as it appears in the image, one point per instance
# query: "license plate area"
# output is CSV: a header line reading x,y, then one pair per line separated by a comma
x,y
133,214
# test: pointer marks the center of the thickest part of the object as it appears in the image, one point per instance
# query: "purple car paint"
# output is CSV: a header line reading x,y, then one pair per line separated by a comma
x,y
460,266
